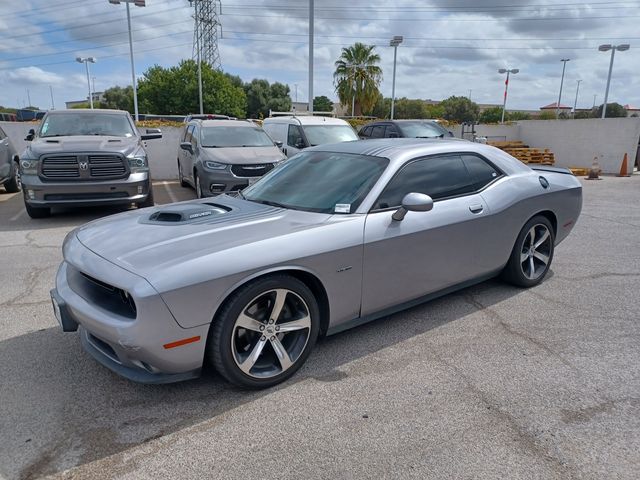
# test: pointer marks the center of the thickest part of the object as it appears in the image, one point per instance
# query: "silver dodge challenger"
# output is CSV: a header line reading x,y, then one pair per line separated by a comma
x,y
336,236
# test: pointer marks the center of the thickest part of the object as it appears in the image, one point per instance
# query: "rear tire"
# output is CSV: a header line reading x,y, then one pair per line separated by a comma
x,y
264,332
148,202
37,212
198,185
532,253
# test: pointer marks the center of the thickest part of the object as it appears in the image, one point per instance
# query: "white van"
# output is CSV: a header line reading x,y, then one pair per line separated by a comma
x,y
298,132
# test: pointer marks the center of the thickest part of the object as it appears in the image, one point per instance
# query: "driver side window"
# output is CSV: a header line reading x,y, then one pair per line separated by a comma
x,y
437,176
295,136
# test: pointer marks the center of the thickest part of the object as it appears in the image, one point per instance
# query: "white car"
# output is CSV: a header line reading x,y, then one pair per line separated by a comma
x,y
298,132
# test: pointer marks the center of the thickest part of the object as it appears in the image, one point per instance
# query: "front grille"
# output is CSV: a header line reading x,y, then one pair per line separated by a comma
x,y
56,197
61,167
251,170
101,166
84,167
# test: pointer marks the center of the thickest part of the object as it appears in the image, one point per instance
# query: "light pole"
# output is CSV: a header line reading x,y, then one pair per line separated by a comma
x,y
564,64
506,87
311,12
86,62
575,102
137,3
395,41
613,48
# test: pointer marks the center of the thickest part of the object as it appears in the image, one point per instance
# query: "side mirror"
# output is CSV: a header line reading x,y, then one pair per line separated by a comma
x,y
300,144
152,134
394,135
278,144
413,202
186,146
31,135
451,133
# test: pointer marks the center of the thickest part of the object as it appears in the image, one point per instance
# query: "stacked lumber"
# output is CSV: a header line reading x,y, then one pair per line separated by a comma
x,y
525,153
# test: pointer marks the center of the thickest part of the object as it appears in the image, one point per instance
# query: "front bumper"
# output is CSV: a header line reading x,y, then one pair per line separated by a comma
x,y
133,189
134,346
222,181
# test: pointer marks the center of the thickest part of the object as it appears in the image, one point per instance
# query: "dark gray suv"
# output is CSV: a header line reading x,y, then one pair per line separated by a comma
x,y
85,157
221,156
403,129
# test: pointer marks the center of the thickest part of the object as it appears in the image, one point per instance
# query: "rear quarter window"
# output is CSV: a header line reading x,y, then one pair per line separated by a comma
x,y
482,172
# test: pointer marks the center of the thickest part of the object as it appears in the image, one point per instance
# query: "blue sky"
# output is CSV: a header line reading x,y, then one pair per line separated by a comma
x,y
450,48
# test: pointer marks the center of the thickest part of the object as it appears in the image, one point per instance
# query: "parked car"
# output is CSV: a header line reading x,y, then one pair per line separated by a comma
x,y
404,129
85,157
335,237
296,133
9,175
220,156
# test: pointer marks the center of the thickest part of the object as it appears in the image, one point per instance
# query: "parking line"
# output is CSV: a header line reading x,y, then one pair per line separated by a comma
x,y
17,216
172,196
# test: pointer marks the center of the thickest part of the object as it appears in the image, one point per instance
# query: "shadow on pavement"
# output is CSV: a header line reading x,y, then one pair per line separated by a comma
x,y
59,408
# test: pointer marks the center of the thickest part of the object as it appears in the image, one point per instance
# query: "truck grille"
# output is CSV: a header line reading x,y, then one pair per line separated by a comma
x,y
251,170
85,167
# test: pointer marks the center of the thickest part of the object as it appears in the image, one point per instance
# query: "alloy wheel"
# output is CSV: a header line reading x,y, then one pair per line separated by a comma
x,y
536,252
271,333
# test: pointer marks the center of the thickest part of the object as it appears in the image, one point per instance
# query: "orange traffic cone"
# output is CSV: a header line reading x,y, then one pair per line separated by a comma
x,y
623,168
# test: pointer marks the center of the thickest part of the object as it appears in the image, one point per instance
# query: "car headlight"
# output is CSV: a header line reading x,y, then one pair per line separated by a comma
x,y
28,166
215,165
138,163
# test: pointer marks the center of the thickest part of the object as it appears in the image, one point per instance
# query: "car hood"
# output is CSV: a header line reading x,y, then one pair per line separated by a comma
x,y
149,242
243,155
83,143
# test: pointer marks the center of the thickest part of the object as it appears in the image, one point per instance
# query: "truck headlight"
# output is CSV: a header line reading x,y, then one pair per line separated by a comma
x,y
215,165
29,166
138,163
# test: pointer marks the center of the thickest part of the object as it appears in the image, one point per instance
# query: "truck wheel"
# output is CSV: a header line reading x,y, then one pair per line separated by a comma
x,y
148,202
37,212
13,185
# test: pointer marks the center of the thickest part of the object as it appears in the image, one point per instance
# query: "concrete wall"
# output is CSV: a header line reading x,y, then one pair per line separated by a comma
x,y
575,143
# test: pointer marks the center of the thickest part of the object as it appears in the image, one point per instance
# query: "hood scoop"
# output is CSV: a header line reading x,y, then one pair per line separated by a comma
x,y
187,213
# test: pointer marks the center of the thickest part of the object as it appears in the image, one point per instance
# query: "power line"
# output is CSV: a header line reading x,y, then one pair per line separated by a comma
x,y
611,4
57,7
527,19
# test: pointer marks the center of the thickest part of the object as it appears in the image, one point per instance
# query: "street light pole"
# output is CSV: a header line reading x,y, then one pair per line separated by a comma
x,y
137,3
86,62
395,41
564,64
506,88
613,48
575,102
311,10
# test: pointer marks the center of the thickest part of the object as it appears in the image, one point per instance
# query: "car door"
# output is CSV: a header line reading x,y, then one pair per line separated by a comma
x,y
377,131
295,140
391,131
184,157
427,251
365,133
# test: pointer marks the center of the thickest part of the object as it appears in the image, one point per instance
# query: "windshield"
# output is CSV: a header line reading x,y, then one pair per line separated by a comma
x,y
231,136
422,129
322,134
88,123
325,182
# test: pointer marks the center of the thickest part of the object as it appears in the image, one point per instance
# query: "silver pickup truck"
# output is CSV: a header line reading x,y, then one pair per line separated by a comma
x,y
85,157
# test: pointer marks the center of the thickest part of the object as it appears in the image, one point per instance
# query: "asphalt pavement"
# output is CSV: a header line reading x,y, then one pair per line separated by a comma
x,y
490,382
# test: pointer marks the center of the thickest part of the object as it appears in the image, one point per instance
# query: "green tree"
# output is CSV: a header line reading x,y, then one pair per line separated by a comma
x,y
174,91
405,108
547,115
262,97
586,113
513,116
357,72
460,109
322,104
119,98
614,110
433,111
491,115
382,107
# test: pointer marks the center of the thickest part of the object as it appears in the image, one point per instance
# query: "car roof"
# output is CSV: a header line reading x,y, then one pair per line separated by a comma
x,y
97,111
306,120
225,123
399,150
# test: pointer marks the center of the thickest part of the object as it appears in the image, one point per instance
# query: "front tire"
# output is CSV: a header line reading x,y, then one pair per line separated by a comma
x,y
198,185
13,185
264,332
532,253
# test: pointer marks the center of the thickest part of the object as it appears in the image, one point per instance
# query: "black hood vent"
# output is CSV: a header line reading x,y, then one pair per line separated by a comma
x,y
181,214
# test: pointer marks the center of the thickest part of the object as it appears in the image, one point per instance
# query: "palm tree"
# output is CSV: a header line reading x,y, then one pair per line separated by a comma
x,y
357,71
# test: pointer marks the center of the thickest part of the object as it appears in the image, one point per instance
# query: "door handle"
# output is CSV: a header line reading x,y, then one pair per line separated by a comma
x,y
476,208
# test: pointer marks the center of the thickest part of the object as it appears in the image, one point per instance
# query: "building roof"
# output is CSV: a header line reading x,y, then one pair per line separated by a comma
x,y
631,107
554,105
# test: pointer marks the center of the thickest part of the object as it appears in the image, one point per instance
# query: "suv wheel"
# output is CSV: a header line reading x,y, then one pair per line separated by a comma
x,y
13,185
183,182
198,186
